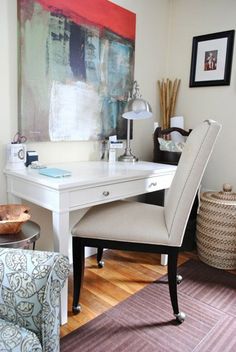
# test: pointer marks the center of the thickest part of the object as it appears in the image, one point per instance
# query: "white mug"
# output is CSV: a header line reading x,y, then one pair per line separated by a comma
x,y
16,156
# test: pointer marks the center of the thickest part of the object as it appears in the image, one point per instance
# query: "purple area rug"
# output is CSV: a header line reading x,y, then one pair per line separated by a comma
x,y
144,322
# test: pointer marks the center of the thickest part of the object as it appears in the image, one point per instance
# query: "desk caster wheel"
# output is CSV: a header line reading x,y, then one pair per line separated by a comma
x,y
179,278
180,317
77,309
101,264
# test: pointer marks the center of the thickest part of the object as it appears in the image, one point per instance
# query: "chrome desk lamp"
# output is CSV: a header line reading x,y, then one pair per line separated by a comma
x,y
135,109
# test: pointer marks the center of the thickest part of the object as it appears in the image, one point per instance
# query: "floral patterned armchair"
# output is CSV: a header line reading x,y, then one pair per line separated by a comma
x,y
30,286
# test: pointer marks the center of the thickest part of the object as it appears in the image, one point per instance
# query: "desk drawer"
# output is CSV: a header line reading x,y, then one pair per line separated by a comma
x,y
107,193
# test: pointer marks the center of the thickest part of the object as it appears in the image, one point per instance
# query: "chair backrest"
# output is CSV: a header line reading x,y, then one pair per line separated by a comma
x,y
185,184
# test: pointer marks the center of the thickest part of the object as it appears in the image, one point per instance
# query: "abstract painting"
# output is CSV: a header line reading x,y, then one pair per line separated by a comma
x,y
76,66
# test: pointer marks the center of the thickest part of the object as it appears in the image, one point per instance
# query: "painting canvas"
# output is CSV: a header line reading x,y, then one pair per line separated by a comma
x,y
76,65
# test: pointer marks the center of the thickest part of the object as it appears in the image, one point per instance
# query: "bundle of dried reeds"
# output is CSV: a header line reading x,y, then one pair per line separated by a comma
x,y
168,91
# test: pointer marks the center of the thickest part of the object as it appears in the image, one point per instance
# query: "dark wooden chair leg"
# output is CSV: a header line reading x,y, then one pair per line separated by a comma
x,y
172,276
99,257
78,272
172,280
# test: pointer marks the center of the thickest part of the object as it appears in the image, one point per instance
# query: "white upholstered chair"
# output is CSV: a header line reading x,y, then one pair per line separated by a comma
x,y
143,227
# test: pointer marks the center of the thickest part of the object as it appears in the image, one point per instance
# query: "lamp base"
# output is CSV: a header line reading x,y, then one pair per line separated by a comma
x,y
128,158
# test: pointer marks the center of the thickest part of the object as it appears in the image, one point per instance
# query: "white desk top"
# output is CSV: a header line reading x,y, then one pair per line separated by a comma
x,y
91,183
87,173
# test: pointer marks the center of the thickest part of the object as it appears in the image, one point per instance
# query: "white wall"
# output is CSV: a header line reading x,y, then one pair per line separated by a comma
x,y
8,82
193,18
150,61
152,23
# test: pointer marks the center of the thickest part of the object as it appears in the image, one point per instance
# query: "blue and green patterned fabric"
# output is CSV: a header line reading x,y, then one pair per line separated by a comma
x,y
30,286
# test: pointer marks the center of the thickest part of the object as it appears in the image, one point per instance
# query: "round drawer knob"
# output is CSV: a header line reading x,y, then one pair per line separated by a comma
x,y
106,193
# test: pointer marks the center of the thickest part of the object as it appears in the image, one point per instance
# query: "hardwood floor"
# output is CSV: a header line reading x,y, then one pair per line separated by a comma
x,y
124,274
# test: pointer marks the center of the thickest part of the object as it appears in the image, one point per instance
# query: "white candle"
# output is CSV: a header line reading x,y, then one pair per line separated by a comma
x,y
177,121
155,125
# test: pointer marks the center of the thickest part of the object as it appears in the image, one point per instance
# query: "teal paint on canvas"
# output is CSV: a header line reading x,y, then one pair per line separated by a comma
x,y
74,78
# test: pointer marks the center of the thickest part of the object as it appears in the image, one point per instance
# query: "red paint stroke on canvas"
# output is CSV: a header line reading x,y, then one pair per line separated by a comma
x,y
102,13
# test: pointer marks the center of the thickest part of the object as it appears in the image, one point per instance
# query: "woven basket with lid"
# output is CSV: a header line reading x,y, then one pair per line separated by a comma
x,y
216,228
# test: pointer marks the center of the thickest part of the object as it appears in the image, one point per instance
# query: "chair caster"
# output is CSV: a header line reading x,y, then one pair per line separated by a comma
x,y
180,317
179,278
77,309
101,264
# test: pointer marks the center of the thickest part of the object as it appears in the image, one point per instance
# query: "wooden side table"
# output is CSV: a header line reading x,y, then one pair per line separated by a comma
x,y
28,235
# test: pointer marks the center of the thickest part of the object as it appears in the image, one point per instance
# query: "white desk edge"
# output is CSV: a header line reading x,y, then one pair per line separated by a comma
x,y
91,183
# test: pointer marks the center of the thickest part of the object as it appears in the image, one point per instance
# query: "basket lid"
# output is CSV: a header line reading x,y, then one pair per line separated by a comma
x,y
226,195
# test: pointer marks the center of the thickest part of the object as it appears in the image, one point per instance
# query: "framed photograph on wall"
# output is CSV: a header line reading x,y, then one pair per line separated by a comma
x,y
212,59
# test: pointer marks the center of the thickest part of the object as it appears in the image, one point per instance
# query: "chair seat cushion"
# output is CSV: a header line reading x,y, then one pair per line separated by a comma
x,y
124,221
14,338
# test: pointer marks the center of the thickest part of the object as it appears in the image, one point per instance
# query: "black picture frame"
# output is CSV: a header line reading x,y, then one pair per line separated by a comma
x,y
212,59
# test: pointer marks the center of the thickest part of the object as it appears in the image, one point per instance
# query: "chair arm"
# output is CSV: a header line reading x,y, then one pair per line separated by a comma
x,y
30,286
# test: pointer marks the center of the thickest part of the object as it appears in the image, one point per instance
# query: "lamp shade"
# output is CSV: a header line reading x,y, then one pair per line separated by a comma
x,y
137,109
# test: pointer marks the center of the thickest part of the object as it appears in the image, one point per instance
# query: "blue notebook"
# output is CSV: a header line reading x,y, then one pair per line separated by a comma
x,y
53,172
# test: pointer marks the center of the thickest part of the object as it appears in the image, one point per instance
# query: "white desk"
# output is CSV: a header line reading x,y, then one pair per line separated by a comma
x,y
91,183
